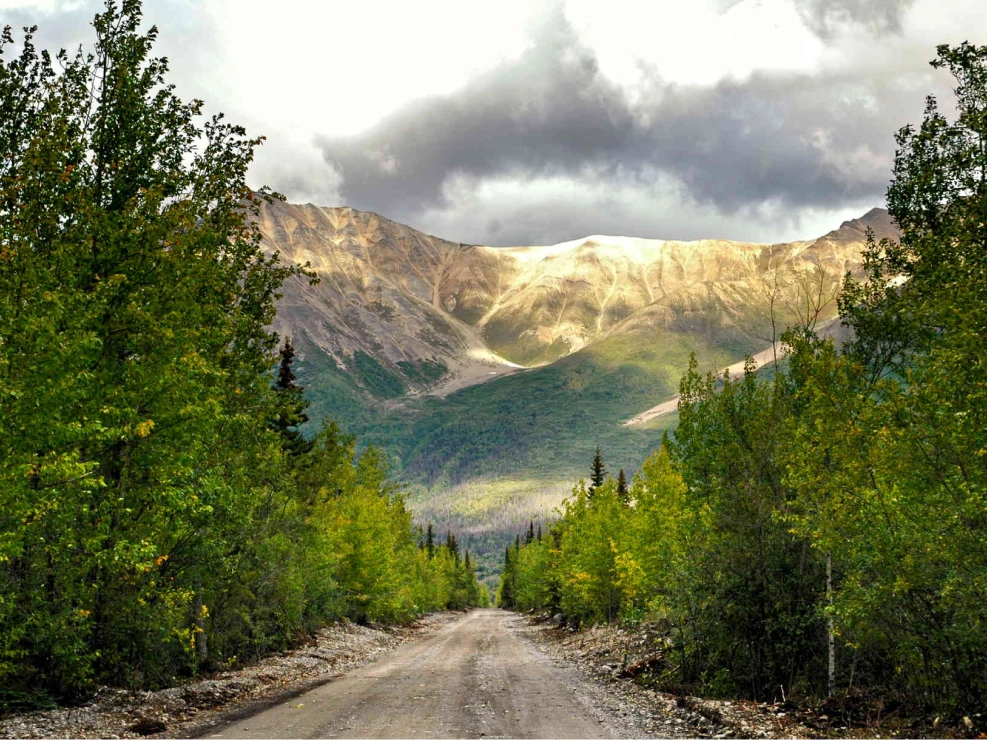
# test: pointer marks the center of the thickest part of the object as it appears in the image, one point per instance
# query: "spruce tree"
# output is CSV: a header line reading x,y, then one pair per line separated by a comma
x,y
623,492
598,472
291,405
506,595
430,542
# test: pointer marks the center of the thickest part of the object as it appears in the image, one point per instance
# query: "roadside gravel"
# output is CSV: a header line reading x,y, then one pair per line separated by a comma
x,y
603,654
191,708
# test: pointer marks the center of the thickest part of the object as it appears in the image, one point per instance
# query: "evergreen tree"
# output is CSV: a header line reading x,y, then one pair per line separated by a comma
x,y
506,593
622,491
291,404
430,542
598,473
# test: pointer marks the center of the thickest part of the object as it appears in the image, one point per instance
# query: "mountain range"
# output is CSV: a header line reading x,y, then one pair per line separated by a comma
x,y
489,375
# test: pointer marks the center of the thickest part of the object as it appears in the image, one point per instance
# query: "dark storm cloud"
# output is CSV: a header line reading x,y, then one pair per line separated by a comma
x,y
794,139
547,112
799,140
879,16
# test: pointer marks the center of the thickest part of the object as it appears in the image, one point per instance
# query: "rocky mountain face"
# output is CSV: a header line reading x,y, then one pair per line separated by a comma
x,y
437,316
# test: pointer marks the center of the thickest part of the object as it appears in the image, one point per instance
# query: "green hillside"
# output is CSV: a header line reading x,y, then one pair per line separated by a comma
x,y
486,460
542,424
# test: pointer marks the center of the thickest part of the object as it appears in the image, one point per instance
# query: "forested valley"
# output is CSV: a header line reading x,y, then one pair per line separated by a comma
x,y
821,532
160,513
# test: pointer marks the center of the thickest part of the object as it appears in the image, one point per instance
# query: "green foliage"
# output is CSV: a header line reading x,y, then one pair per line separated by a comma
x,y
622,490
761,583
487,515
695,544
380,381
424,372
605,559
871,458
889,462
589,555
291,411
134,304
155,519
598,473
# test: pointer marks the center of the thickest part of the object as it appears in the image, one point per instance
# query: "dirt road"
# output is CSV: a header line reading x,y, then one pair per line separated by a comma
x,y
475,678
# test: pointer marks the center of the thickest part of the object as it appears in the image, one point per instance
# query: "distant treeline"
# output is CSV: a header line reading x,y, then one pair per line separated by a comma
x,y
159,512
823,530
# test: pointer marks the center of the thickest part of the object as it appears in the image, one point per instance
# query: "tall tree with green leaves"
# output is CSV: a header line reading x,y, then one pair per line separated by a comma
x,y
134,305
153,519
506,593
889,461
759,582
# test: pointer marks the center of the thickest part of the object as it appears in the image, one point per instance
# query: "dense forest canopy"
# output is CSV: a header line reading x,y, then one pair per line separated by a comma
x,y
826,528
159,512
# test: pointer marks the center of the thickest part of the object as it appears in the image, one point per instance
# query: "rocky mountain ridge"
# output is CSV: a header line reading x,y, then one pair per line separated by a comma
x,y
438,316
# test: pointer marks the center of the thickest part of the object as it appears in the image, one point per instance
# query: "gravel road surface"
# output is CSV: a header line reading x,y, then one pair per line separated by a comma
x,y
474,678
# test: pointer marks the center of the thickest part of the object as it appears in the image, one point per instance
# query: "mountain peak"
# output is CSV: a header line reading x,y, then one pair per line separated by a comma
x,y
877,220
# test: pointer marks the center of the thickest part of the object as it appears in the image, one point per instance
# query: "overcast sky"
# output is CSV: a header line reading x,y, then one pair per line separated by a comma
x,y
514,122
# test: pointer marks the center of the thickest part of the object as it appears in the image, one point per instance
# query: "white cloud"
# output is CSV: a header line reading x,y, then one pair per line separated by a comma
x,y
337,68
43,6
694,42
